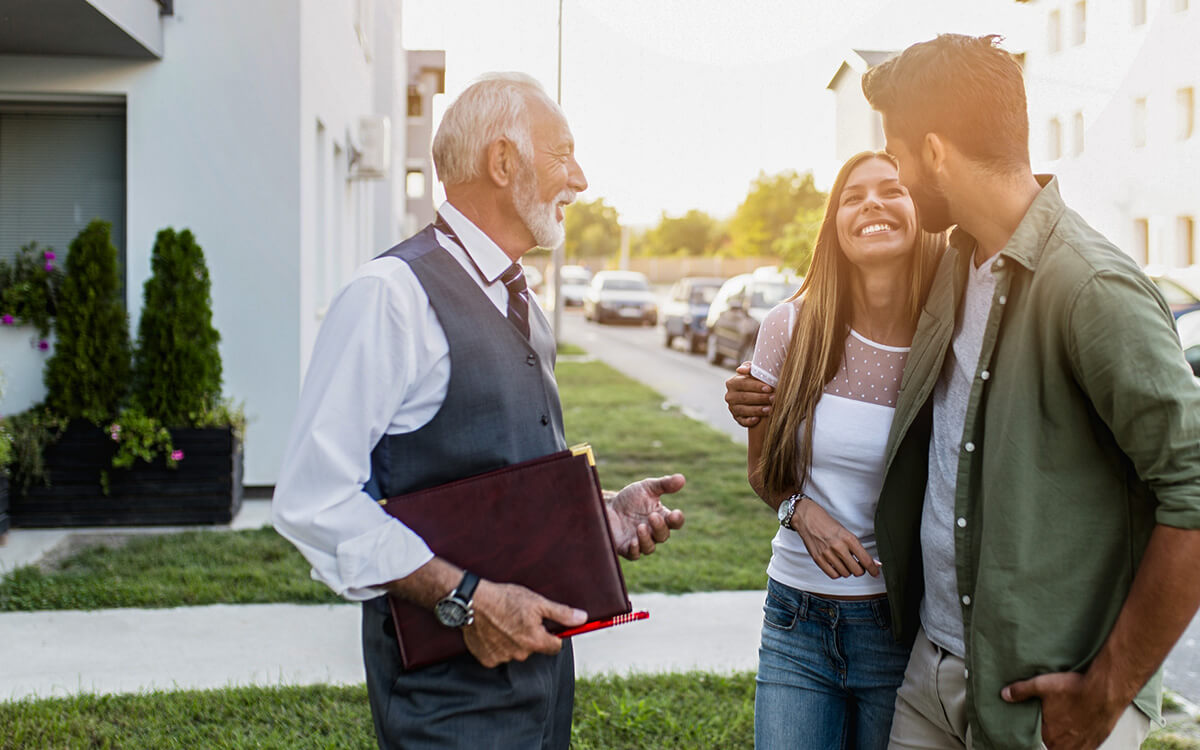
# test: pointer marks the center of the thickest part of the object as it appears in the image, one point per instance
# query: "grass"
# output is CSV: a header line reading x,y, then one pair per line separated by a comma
x,y
690,710
724,545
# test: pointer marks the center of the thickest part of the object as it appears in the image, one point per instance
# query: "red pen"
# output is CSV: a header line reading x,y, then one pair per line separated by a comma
x,y
588,627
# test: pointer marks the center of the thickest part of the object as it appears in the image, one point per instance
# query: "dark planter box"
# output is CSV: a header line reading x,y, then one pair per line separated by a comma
x,y
205,488
4,520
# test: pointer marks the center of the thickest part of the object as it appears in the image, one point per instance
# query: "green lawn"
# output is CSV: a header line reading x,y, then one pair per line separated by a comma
x,y
725,544
669,711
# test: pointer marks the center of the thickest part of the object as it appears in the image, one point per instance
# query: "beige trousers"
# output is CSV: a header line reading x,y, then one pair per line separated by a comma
x,y
931,709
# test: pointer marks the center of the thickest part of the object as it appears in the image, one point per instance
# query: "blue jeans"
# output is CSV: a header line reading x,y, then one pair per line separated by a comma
x,y
827,672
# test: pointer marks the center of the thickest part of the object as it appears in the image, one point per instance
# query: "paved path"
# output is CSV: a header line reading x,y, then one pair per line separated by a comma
x,y
133,650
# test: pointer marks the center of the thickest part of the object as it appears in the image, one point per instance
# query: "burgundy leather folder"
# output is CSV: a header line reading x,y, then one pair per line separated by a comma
x,y
540,523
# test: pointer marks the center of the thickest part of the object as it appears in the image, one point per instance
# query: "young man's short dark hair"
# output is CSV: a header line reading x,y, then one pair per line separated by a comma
x,y
965,88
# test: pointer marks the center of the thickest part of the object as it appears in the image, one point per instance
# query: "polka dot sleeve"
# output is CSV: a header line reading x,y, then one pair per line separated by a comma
x,y
773,338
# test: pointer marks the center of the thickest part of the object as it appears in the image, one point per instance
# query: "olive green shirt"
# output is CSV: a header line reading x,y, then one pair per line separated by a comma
x,y
1082,432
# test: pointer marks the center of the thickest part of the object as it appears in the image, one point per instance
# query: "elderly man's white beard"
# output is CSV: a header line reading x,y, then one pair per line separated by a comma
x,y
539,217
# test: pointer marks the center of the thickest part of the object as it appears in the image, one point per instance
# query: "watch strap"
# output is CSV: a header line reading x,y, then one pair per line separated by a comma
x,y
466,587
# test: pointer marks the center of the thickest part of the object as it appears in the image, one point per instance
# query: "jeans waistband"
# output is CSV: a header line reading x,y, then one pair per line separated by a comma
x,y
814,605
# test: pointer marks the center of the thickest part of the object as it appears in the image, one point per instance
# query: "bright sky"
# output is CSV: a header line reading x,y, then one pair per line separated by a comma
x,y
679,104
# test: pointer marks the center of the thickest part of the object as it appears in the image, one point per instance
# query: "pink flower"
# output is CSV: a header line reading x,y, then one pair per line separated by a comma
x,y
49,255
43,345
7,320
49,266
176,455
114,431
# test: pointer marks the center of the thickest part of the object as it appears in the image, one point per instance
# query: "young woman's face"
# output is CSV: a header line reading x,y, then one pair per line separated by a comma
x,y
876,221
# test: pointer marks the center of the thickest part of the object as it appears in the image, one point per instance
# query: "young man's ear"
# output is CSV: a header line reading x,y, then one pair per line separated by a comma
x,y
933,152
501,164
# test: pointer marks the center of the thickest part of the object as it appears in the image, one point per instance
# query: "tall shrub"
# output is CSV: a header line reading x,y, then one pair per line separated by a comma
x,y
89,372
177,366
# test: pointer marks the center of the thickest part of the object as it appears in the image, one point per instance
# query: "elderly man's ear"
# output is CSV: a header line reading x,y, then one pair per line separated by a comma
x,y
503,162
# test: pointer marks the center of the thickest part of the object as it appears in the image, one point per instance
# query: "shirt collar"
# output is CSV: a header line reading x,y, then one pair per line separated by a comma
x,y
484,253
1027,242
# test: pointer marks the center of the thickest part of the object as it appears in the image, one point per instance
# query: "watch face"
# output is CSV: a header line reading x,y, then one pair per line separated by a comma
x,y
784,510
451,612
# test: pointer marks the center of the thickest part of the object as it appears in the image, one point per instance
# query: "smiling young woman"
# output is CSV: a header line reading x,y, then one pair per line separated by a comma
x,y
835,353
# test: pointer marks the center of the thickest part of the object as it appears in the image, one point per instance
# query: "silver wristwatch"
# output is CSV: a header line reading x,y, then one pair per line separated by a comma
x,y
457,608
787,509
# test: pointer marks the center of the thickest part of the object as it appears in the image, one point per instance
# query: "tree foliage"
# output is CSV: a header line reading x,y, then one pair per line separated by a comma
x,y
779,216
694,233
593,230
177,365
89,372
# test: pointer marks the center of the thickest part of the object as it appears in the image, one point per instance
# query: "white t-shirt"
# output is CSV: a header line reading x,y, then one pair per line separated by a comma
x,y
850,432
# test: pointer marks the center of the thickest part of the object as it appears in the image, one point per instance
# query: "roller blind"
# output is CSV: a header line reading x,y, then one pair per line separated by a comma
x,y
58,171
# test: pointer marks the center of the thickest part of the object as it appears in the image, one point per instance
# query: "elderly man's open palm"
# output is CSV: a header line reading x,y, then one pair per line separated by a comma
x,y
638,518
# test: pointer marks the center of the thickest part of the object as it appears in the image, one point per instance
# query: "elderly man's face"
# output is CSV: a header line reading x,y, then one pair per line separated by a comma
x,y
551,182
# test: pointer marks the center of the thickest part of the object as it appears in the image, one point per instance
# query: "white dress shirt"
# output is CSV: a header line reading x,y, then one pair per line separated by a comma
x,y
380,365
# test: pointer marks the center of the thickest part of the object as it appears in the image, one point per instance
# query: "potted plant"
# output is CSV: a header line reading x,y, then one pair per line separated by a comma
x,y
107,455
28,295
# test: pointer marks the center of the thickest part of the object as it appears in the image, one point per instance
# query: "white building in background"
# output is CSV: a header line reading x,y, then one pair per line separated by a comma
x,y
276,130
1112,88
857,126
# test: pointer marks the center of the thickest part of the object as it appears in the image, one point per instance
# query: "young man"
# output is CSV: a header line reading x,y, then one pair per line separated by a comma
x,y
1037,524
434,364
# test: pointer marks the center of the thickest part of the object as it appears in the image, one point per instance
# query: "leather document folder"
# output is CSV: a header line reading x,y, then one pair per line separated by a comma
x,y
540,523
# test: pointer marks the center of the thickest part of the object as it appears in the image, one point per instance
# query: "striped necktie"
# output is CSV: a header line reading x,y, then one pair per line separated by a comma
x,y
518,303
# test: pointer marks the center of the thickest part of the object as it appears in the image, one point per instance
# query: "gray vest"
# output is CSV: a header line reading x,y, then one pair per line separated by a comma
x,y
502,403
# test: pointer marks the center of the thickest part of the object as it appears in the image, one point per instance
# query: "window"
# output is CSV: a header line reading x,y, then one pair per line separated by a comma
x,y
1141,240
1079,27
1054,31
1054,140
61,165
415,104
1139,121
364,25
414,184
1077,140
1180,5
1139,12
1185,107
1186,230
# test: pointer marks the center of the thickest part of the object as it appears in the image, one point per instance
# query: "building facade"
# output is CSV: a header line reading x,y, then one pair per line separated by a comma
x,y
1113,112
275,130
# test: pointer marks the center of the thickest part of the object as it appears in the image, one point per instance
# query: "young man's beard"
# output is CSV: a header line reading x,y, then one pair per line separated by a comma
x,y
538,217
931,203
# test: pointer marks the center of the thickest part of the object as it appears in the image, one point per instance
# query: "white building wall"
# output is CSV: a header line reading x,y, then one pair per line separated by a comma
x,y
222,138
1113,182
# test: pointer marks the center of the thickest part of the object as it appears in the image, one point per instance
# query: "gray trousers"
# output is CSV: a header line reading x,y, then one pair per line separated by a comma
x,y
462,704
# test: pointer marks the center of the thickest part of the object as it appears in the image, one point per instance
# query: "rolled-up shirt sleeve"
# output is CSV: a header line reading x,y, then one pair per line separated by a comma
x,y
371,352
1129,360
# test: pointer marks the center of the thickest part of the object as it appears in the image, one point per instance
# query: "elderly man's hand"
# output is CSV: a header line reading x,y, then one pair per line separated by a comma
x,y
638,518
749,399
509,625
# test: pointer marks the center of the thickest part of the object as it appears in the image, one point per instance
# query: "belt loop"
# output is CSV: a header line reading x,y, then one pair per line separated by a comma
x,y
802,610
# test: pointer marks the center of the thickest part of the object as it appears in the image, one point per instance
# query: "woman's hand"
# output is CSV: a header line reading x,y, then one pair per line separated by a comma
x,y
837,552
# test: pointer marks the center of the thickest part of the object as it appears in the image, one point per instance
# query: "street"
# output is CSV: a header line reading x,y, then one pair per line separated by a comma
x,y
699,389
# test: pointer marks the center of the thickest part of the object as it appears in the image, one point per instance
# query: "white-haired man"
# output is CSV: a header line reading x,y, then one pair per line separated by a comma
x,y
433,364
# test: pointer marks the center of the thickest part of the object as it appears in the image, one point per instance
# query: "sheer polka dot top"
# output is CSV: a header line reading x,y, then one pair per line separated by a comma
x,y
869,372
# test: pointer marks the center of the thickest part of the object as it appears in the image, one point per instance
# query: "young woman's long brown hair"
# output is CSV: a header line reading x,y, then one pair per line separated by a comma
x,y
822,324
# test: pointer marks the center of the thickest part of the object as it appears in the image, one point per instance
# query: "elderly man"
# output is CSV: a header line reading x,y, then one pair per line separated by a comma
x,y
1039,518
432,365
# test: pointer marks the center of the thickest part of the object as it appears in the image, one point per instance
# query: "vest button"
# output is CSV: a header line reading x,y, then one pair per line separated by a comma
x,y
531,360
545,419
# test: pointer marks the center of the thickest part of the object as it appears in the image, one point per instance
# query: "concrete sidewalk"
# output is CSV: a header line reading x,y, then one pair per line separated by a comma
x,y
133,650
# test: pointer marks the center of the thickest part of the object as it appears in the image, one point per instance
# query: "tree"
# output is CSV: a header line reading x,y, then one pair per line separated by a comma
x,y
759,227
593,230
694,233
177,366
89,372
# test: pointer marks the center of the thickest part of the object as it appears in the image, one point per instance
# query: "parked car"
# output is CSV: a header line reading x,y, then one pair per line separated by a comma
x,y
685,313
575,281
1181,287
533,278
1189,336
739,308
620,295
